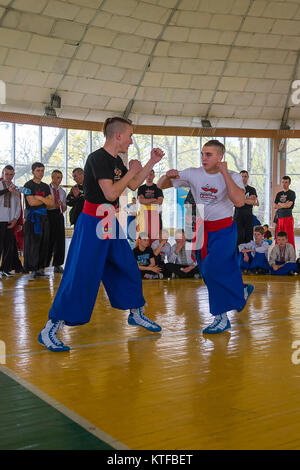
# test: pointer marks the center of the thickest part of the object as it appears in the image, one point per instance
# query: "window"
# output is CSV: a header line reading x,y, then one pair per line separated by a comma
x,y
6,157
53,151
28,151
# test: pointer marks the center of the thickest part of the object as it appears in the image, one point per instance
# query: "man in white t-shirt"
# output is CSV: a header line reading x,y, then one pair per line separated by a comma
x,y
216,190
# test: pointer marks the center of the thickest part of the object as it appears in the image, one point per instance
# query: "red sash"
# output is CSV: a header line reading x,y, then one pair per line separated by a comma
x,y
210,226
105,212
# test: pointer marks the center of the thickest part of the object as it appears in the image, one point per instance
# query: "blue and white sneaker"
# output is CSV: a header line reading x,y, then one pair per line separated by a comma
x,y
248,289
138,318
48,336
221,323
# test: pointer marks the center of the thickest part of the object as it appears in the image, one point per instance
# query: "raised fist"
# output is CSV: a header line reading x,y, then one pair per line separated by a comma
x,y
172,174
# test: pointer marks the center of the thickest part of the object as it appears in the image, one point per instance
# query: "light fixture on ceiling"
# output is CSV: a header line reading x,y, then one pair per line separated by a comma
x,y
205,123
50,111
55,102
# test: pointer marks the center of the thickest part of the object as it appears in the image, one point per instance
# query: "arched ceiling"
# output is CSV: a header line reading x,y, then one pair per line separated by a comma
x,y
158,62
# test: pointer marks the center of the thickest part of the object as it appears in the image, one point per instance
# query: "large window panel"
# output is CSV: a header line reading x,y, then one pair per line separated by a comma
x,y
188,152
53,148
168,145
97,140
236,153
28,151
78,151
6,157
259,176
140,148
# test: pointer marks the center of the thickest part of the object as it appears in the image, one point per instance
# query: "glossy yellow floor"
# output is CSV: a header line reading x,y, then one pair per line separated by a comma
x,y
177,389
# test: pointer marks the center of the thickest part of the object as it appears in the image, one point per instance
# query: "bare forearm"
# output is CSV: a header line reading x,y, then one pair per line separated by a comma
x,y
141,176
235,193
164,182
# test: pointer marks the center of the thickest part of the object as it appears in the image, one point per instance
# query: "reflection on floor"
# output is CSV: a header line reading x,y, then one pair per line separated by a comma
x,y
174,390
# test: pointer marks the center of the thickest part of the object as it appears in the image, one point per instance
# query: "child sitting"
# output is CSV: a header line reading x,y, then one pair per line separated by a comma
x,y
283,257
253,256
145,258
267,234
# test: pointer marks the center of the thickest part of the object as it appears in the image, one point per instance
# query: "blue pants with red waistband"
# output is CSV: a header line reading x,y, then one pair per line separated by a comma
x,y
221,272
91,260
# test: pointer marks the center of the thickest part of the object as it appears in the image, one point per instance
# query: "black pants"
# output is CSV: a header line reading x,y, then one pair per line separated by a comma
x,y
10,257
36,245
244,224
56,246
176,269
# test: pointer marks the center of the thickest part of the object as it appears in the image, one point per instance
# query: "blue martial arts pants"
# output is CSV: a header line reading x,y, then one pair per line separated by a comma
x,y
91,260
221,272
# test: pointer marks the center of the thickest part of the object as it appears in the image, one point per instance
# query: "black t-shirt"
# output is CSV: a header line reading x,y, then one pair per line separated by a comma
x,y
143,257
150,192
101,165
41,189
246,208
285,196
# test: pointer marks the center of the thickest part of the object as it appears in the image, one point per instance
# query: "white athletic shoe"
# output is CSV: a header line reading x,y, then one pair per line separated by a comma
x,y
137,318
48,336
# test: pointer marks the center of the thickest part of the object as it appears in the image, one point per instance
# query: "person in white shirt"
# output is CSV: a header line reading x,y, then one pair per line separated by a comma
x,y
216,190
57,223
283,256
254,254
182,263
162,251
10,210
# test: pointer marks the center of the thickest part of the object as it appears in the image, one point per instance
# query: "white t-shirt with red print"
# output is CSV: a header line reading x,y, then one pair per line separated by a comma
x,y
209,191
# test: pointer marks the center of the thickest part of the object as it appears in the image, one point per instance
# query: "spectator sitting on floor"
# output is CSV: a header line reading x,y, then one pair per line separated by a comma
x,y
181,263
253,256
267,234
283,256
162,251
146,259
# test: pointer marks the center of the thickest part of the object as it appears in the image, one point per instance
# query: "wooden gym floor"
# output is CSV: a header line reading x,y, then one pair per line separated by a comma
x,y
121,387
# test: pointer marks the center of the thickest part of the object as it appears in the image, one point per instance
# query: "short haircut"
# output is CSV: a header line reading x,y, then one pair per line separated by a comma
x,y
115,124
244,171
259,229
216,143
80,170
266,225
143,235
9,167
36,165
282,234
286,178
56,171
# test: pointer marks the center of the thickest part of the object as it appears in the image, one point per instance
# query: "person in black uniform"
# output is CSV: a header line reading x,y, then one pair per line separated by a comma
x,y
75,198
99,250
243,216
36,227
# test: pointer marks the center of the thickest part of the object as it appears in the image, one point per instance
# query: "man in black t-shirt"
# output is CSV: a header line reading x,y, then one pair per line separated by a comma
x,y
75,198
99,250
243,216
144,255
284,204
150,218
36,227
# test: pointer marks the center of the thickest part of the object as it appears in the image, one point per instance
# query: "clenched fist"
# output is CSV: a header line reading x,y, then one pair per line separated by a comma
x,y
156,155
172,174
